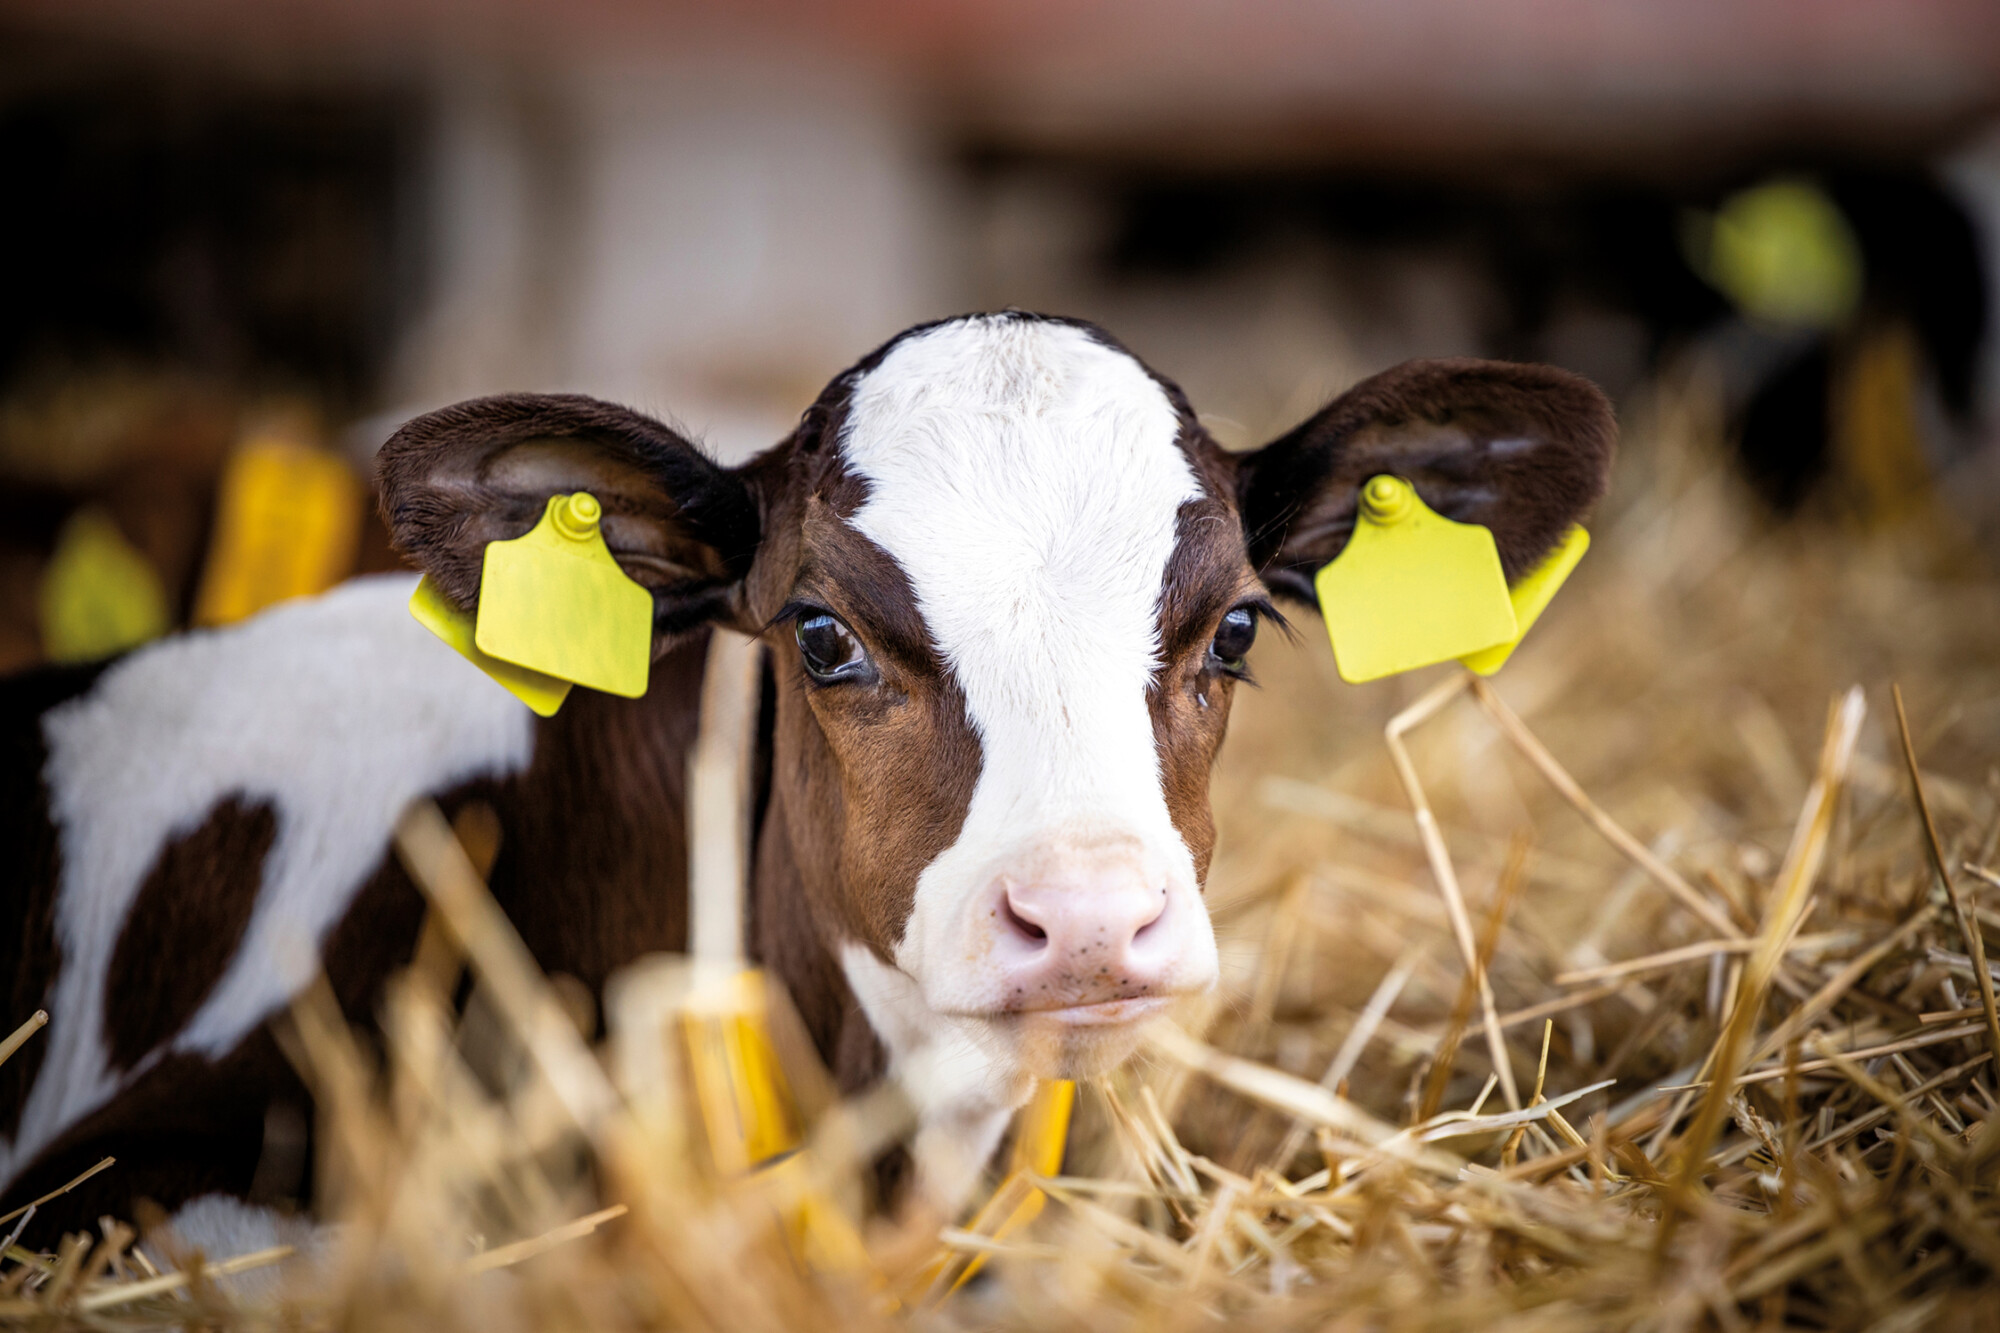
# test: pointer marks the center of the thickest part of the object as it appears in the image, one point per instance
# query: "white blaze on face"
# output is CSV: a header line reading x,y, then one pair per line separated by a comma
x,y
1027,479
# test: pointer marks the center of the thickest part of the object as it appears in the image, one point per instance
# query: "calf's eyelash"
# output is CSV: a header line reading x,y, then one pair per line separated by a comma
x,y
794,610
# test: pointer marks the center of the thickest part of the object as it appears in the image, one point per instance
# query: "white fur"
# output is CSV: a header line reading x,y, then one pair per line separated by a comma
x,y
224,1227
963,1095
338,711
1027,479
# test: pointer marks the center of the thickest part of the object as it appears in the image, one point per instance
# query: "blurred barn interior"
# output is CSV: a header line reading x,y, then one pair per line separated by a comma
x,y
290,225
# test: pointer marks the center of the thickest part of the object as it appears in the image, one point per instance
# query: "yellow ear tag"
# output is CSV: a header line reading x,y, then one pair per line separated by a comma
x,y
287,524
555,601
435,612
1411,588
1531,596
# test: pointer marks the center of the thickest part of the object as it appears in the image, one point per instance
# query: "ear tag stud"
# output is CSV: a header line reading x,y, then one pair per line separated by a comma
x,y
1531,596
435,612
554,601
1411,588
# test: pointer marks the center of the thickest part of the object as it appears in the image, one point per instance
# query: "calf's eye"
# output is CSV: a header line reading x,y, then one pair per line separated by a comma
x,y
1233,639
829,649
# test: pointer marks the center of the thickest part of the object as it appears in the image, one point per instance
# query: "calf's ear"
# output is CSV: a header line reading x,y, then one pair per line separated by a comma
x,y
679,524
1524,451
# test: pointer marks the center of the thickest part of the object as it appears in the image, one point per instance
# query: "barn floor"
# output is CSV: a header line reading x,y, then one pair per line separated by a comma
x,y
1780,934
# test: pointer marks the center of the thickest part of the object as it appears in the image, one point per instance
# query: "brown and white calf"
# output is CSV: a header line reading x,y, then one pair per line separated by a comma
x,y
1009,582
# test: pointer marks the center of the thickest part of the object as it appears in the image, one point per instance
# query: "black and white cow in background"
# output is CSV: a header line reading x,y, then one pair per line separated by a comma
x,y
1009,582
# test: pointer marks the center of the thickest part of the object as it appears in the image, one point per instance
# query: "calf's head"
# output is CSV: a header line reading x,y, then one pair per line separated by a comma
x,y
1009,583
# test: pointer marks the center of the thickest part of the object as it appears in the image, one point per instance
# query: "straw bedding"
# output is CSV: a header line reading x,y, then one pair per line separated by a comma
x,y
1736,968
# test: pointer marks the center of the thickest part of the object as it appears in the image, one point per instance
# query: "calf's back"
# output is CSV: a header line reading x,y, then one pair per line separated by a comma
x,y
202,824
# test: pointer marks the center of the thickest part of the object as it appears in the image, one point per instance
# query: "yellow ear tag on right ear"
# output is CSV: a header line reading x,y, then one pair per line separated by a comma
x,y
1411,588
555,601
436,613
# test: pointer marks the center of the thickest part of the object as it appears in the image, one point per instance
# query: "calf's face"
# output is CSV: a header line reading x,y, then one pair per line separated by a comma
x,y
1009,583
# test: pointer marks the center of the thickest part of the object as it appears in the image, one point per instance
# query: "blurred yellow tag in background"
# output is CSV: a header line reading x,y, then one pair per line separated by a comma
x,y
1411,588
745,1099
1530,596
820,1231
435,612
287,524
1783,252
555,601
1044,1130
99,595
1041,1135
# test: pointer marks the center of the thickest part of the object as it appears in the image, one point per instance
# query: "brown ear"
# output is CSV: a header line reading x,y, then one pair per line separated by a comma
x,y
682,526
1524,451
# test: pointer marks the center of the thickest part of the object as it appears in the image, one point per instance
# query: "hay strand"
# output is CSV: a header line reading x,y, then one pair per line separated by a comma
x,y
1975,942
1442,870
19,1037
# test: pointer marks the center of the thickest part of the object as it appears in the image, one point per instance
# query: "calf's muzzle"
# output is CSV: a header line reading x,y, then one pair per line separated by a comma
x,y
1093,938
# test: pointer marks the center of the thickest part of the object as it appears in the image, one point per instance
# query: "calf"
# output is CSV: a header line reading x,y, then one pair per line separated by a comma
x,y
1009,583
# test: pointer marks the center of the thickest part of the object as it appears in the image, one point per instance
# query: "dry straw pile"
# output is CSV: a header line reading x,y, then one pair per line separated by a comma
x,y
1721,1057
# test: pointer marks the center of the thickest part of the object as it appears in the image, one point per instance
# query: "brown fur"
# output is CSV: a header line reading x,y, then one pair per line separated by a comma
x,y
32,873
184,927
876,778
187,1127
593,855
1207,576
785,940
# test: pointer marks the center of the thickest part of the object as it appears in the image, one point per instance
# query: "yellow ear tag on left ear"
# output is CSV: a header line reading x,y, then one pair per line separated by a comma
x,y
555,601
1411,588
1531,596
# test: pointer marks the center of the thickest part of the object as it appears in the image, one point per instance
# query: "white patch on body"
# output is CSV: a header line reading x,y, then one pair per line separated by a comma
x,y
338,711
1028,480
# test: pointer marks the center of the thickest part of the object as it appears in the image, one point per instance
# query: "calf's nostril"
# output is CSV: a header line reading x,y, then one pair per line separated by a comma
x,y
1019,924
1151,925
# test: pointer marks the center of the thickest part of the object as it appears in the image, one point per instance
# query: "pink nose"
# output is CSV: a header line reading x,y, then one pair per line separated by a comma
x,y
1083,938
